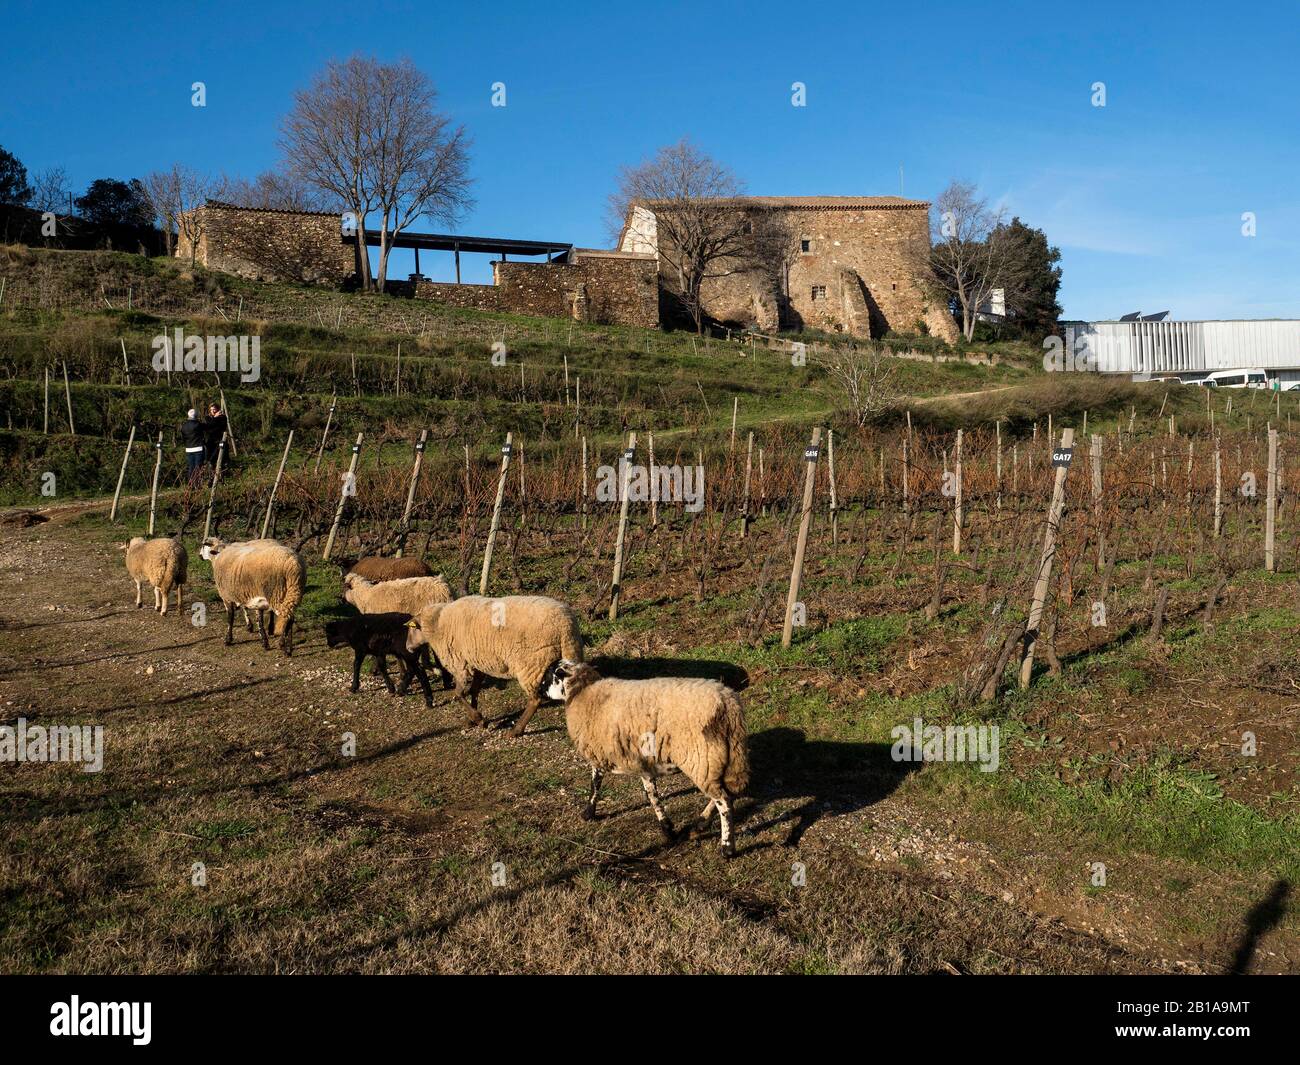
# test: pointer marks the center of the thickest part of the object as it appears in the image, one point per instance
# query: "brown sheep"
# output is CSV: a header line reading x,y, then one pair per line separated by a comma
x,y
376,569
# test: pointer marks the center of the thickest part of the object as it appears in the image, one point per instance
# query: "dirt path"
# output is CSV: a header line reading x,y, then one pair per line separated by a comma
x,y
435,848
924,400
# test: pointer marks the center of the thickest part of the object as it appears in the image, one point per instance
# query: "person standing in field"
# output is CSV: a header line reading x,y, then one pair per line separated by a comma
x,y
214,431
191,433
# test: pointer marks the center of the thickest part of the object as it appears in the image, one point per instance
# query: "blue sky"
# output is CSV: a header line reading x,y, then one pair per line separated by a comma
x,y
1144,196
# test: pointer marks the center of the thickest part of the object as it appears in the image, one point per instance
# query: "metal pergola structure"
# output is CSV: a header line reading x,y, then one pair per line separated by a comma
x,y
503,246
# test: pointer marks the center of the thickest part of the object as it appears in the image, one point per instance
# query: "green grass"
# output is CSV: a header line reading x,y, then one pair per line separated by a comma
x,y
1166,810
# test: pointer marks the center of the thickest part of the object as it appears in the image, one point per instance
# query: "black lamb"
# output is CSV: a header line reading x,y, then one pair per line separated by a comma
x,y
379,635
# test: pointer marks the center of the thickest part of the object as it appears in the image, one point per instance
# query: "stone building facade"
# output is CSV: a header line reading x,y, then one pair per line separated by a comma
x,y
608,287
266,245
842,264
837,263
593,286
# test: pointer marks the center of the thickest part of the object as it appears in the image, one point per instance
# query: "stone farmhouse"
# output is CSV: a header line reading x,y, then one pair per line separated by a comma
x,y
850,264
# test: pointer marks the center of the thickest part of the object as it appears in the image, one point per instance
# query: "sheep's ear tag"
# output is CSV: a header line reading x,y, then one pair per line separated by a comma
x,y
411,624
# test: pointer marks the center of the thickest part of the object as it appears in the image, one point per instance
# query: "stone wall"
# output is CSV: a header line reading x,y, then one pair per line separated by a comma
x,y
610,288
272,245
476,297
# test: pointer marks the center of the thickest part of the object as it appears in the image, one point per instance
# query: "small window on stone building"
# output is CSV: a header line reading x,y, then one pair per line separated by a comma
x,y
805,246
819,292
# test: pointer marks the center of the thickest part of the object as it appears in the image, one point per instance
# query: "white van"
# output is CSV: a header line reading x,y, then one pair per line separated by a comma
x,y
1250,377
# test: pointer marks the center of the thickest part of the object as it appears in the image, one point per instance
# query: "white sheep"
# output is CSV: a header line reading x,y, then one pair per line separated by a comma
x,y
519,636
646,726
406,595
161,563
258,575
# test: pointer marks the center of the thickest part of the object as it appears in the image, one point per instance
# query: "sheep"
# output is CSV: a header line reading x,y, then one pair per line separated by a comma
x,y
516,636
379,569
379,635
644,726
162,563
409,595
260,575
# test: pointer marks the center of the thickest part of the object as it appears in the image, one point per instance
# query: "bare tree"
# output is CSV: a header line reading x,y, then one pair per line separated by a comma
x,y
366,135
325,140
703,227
189,190
418,163
272,190
162,188
861,379
51,191
969,254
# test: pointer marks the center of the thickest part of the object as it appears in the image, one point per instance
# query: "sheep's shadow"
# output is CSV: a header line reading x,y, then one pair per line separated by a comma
x,y
830,776
1264,916
733,676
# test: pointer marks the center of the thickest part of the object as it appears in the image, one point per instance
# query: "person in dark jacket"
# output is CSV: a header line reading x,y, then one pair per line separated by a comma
x,y
214,429
191,433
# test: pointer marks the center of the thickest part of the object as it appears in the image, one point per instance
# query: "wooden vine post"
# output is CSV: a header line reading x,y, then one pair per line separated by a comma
x,y
654,482
212,488
1270,512
230,423
830,470
275,487
1061,460
329,418
615,585
349,489
997,428
67,392
121,476
47,401
496,513
957,500
811,454
584,484
153,492
1218,490
1095,455
744,506
410,492
907,469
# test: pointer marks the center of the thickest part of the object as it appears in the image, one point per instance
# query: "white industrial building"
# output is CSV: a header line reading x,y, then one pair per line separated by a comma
x,y
1154,347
